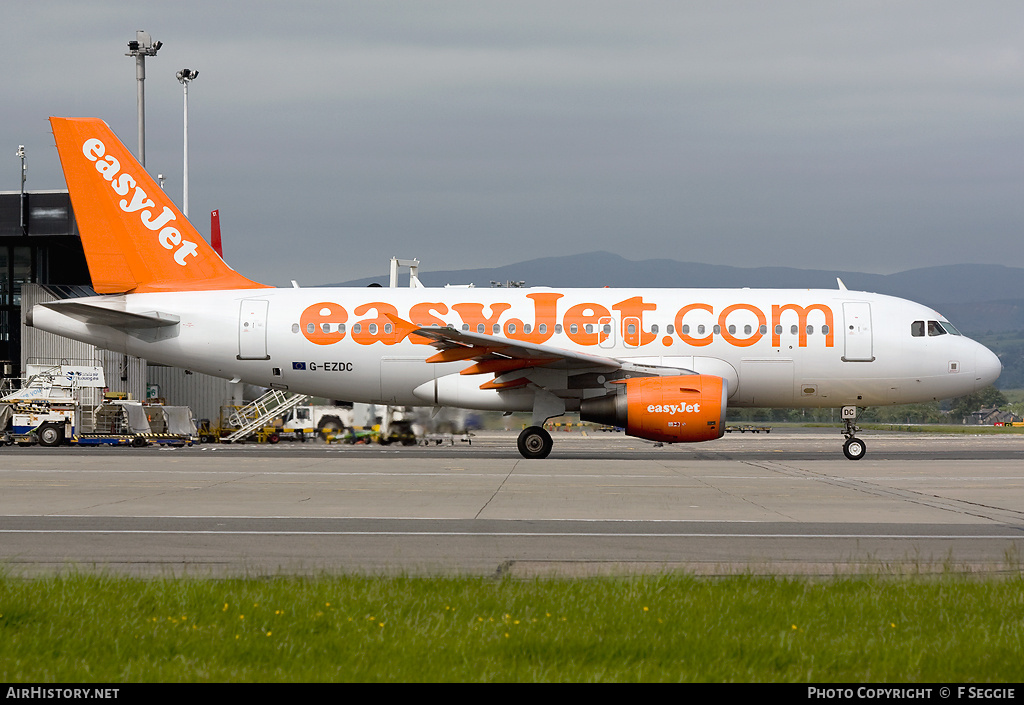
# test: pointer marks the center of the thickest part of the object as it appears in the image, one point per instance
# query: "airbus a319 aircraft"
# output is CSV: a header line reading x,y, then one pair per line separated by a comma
x,y
664,364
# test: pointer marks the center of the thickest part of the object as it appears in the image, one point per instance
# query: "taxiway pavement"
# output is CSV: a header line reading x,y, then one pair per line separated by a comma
x,y
785,502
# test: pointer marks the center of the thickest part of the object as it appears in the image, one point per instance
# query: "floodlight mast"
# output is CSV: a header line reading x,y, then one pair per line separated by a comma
x,y
21,155
186,76
142,47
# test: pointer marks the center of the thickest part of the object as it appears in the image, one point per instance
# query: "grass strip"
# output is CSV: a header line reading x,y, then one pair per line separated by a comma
x,y
101,628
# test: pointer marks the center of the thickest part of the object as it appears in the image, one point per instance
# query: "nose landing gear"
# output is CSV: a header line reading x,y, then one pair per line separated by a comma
x,y
854,448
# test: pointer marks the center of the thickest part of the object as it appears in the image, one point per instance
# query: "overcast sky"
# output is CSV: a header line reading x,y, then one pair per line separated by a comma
x,y
870,136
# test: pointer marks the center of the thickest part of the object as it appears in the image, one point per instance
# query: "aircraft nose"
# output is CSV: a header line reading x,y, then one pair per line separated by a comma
x,y
986,367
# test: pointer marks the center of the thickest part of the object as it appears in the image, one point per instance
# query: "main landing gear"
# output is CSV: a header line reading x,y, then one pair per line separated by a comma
x,y
535,443
854,448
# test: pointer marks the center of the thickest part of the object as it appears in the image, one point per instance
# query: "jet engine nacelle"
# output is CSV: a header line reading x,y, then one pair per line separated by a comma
x,y
677,409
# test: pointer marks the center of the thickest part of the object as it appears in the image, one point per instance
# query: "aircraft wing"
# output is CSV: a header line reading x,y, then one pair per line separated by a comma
x,y
497,353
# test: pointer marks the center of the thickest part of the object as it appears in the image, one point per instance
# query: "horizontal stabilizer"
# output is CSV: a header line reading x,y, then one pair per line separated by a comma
x,y
104,316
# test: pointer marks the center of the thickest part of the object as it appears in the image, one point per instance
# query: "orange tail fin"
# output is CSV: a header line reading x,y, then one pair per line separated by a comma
x,y
135,239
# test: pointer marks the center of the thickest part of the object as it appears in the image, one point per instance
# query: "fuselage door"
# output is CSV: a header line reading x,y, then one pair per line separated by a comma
x,y
857,331
252,329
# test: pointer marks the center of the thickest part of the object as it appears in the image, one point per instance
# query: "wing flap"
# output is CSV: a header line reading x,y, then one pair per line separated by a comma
x,y
455,345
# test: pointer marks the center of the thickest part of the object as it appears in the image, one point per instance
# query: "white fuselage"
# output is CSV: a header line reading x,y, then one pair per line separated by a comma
x,y
776,347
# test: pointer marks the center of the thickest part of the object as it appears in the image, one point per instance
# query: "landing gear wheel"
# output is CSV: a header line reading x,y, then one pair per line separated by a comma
x,y
854,448
535,442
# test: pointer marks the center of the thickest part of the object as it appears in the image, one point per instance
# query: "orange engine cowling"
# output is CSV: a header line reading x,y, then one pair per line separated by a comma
x,y
677,409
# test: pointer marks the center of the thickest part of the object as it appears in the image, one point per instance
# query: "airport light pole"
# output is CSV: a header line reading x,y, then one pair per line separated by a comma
x,y
21,200
142,47
186,76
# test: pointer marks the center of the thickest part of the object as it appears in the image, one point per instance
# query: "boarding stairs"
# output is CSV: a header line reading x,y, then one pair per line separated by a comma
x,y
258,413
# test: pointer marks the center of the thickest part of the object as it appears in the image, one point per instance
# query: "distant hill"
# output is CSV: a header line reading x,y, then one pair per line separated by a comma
x,y
976,297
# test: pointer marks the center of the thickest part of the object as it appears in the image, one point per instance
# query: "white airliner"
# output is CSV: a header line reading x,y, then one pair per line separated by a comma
x,y
661,363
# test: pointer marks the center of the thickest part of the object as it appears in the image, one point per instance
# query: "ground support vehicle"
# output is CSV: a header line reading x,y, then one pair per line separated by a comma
x,y
44,407
398,432
306,421
47,423
352,435
138,440
117,422
442,438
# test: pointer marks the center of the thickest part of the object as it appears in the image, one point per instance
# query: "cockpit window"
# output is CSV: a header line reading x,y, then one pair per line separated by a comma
x,y
934,328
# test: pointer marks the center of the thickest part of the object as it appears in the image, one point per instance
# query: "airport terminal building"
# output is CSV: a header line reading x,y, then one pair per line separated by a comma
x,y
41,259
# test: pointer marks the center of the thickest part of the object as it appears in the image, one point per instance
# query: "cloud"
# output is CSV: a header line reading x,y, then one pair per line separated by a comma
x,y
876,136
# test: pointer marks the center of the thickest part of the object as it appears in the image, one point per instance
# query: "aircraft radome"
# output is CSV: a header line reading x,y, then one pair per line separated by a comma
x,y
664,364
